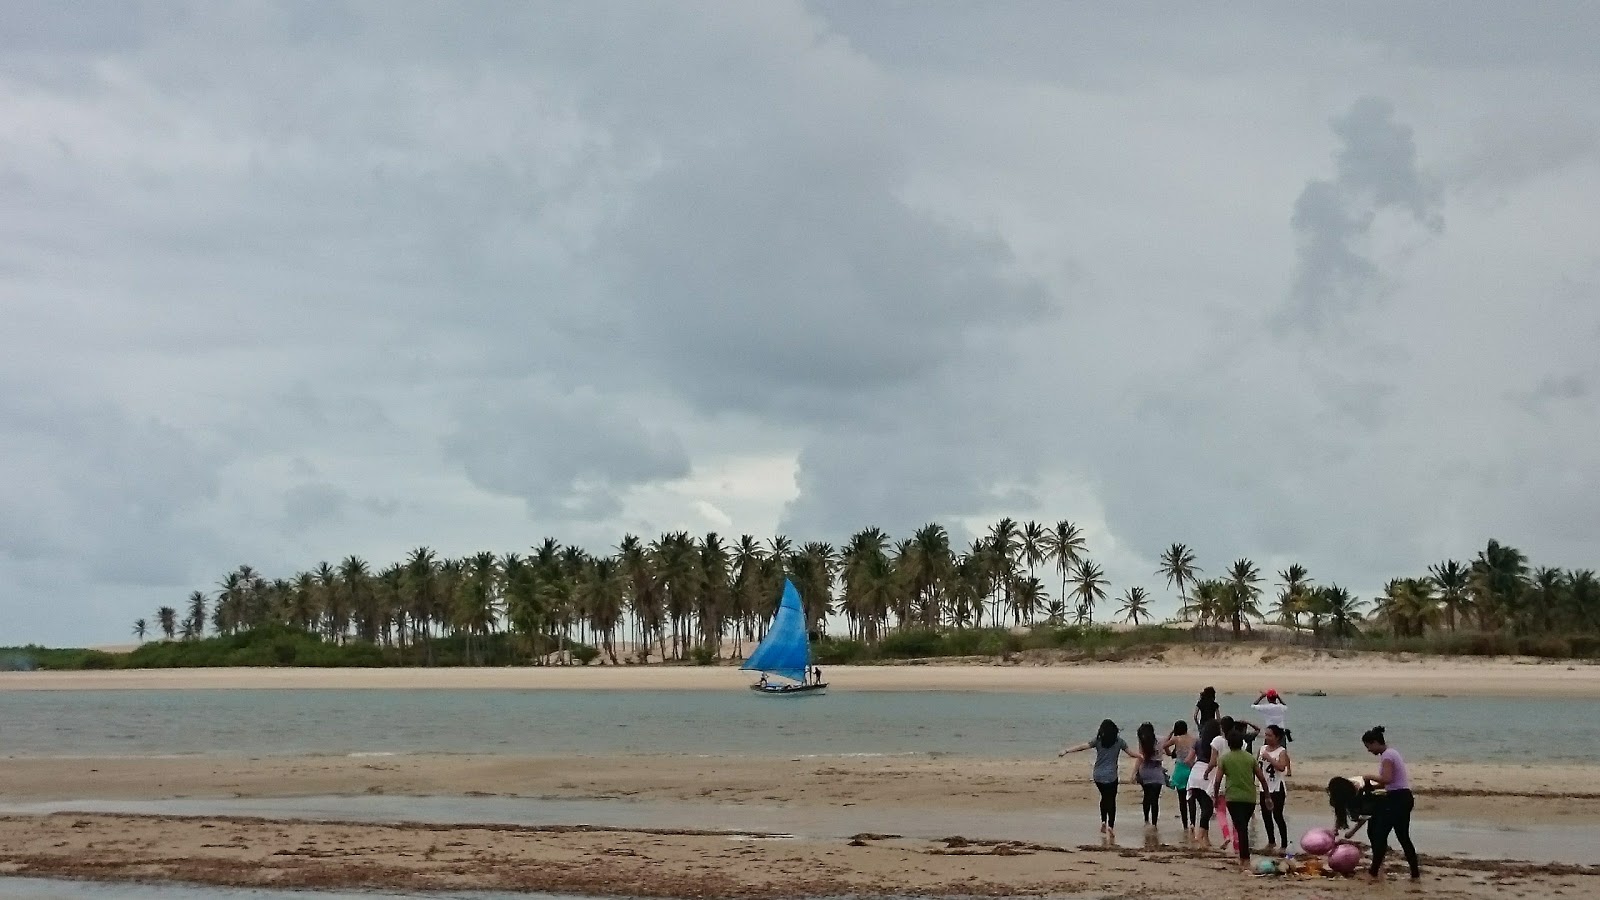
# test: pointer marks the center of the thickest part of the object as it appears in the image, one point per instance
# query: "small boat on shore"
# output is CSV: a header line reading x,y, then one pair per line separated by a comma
x,y
785,653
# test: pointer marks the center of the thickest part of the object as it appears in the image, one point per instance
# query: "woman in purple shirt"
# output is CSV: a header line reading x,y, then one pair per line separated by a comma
x,y
1393,814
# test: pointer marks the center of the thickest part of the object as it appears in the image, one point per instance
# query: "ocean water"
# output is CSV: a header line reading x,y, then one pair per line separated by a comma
x,y
737,722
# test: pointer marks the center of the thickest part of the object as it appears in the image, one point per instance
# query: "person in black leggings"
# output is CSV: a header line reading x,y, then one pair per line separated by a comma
x,y
1276,766
1202,757
1393,814
1150,774
1107,746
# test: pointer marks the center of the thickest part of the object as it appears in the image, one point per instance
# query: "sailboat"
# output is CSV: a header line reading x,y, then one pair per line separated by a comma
x,y
785,652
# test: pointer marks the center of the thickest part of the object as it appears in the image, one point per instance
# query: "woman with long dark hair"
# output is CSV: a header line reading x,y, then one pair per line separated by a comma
x,y
1202,756
1276,766
1150,773
1393,813
1107,745
1178,744
1237,769
1206,708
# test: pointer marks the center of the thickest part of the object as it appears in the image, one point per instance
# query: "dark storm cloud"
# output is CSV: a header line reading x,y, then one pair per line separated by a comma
x,y
290,280
90,486
1376,171
566,456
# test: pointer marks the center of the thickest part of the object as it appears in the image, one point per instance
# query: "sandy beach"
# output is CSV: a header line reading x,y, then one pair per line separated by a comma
x,y
679,862
1180,670
960,813
1499,792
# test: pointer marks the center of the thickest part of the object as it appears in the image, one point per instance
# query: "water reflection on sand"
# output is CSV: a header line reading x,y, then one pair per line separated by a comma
x,y
1565,844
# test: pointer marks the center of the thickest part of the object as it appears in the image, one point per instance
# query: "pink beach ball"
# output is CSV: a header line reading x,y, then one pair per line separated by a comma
x,y
1345,858
1317,841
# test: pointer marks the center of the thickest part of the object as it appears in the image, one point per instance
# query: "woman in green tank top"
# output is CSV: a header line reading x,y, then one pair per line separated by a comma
x,y
1245,783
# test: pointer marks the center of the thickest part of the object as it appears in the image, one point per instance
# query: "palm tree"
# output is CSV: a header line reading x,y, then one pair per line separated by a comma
x,y
139,629
477,606
421,597
1056,614
1034,548
1135,606
1029,595
1409,606
355,577
1244,588
867,579
1583,600
1499,581
168,619
747,557
1292,589
1454,582
605,595
1066,545
1342,610
1089,586
1005,541
1177,564
929,569
1546,599
1209,602
813,568
303,601
195,624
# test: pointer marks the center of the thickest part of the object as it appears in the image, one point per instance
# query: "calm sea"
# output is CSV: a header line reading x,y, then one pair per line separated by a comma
x,y
564,722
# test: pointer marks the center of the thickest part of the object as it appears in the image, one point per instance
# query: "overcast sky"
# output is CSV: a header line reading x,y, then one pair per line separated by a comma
x,y
282,282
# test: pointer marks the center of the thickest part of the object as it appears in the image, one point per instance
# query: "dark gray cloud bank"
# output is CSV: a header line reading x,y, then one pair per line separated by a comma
x,y
287,281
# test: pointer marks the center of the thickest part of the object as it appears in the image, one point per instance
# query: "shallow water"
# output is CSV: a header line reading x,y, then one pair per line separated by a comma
x,y
565,722
1568,844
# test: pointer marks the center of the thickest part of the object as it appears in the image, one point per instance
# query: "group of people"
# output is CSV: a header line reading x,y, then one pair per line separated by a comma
x,y
1218,771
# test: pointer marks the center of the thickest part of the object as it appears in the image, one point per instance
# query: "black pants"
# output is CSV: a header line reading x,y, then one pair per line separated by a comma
x,y
1152,803
1188,810
1241,814
1275,818
1108,803
1201,798
1393,815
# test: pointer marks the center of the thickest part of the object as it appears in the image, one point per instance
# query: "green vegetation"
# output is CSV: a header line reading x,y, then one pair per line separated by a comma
x,y
273,644
687,599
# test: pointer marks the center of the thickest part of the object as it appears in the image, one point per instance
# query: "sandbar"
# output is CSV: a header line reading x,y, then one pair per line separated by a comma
x,y
1183,670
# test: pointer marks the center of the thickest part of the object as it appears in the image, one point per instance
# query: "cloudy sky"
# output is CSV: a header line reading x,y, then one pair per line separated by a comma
x,y
282,282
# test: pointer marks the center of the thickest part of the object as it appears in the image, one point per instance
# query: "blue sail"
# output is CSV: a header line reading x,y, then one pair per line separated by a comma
x,y
785,650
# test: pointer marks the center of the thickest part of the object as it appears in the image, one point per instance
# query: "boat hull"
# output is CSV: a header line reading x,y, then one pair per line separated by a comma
x,y
790,690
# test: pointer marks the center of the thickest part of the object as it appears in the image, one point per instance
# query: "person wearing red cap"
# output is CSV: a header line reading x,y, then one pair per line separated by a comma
x,y
1273,711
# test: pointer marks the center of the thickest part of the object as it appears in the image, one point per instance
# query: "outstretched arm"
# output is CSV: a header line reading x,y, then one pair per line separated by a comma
x,y
1078,749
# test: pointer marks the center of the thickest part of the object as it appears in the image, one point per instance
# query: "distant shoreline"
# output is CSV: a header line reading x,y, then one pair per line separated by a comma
x,y
1235,670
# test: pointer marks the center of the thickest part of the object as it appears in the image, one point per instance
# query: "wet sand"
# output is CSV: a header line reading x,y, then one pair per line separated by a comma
x,y
673,863
1517,794
1230,669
